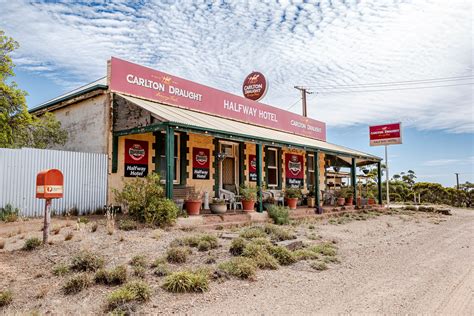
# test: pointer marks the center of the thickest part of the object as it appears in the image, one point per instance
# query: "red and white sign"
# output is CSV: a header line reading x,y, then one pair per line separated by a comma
x,y
201,163
387,134
253,168
255,86
140,81
294,170
136,158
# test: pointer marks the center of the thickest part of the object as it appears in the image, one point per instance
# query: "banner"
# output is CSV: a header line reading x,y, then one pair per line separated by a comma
x,y
294,170
388,134
136,158
201,163
252,168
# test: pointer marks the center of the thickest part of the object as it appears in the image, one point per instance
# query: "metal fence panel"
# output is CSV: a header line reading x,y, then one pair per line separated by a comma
x,y
85,180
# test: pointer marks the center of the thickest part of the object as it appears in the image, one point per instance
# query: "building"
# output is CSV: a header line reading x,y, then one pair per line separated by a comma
x,y
196,136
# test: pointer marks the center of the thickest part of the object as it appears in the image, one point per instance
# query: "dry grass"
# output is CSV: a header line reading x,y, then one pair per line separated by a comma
x,y
32,243
2,243
137,291
115,276
56,229
240,267
86,261
77,283
186,281
94,227
69,236
177,254
6,297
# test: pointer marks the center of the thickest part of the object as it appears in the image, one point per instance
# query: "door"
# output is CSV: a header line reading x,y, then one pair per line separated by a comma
x,y
229,167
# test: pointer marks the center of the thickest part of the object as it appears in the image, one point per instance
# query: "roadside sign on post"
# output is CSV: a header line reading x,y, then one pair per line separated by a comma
x,y
49,185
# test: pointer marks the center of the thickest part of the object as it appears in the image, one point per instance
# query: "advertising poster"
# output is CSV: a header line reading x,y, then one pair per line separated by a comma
x,y
387,134
253,168
294,170
201,163
136,158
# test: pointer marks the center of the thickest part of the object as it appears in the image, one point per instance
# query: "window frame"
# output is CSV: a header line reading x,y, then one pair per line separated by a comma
x,y
177,159
275,167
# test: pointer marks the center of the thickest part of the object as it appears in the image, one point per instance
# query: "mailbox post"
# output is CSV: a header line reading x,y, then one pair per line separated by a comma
x,y
49,185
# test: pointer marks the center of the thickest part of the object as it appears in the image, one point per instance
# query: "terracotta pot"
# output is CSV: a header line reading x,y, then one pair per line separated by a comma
x,y
341,201
359,201
311,202
292,203
371,201
349,201
248,205
193,207
218,208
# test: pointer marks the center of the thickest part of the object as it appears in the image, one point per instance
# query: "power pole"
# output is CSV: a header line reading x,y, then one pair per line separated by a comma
x,y
457,180
304,91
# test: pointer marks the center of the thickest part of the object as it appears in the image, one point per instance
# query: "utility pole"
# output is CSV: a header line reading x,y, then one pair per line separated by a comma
x,y
304,91
457,180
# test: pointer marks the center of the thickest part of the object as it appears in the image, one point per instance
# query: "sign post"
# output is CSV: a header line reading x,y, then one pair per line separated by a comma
x,y
49,185
384,135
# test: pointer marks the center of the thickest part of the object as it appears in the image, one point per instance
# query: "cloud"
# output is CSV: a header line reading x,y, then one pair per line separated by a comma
x,y
315,43
445,162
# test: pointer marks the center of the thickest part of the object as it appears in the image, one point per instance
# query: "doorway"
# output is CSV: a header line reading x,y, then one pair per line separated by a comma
x,y
229,166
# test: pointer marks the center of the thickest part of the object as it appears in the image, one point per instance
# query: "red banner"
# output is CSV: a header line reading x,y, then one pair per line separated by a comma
x,y
136,158
294,169
388,134
140,81
201,163
252,168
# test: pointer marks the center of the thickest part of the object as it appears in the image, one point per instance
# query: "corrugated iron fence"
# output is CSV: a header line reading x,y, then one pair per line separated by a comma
x,y
85,180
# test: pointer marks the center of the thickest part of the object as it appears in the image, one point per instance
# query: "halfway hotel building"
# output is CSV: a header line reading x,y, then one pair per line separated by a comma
x,y
196,136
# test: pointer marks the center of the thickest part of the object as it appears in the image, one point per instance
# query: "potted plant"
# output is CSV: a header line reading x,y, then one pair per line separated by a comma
x,y
292,195
193,203
218,206
348,193
249,197
311,199
371,198
340,199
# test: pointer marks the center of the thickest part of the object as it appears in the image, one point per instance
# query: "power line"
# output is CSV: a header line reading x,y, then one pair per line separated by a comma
x,y
299,99
395,89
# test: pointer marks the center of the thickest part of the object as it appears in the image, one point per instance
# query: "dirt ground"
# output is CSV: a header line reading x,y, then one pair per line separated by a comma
x,y
415,263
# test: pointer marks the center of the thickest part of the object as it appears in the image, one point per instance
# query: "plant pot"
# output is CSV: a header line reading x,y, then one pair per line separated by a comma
x,y
248,205
193,207
218,208
311,202
341,201
359,201
371,201
349,201
292,203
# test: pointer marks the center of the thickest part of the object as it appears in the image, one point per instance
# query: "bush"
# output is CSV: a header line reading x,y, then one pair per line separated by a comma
x,y
2,243
279,214
94,227
326,249
144,200
305,254
240,267
138,261
161,270
318,265
117,275
260,255
278,233
32,243
130,292
204,245
77,283
60,269
237,246
139,271
86,261
127,225
177,254
253,232
283,255
186,281
209,240
6,297
8,213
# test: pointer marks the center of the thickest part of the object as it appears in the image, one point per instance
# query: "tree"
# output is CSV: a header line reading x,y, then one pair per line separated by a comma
x,y
18,128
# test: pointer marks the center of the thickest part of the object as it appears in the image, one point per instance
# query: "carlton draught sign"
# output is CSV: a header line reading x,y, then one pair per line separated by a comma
x,y
201,163
294,170
136,158
255,86
387,134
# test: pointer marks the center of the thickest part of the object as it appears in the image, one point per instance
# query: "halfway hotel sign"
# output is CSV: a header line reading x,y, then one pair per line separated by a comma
x,y
140,81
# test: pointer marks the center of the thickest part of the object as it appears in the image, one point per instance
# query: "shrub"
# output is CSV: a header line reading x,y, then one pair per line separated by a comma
x,y
138,261
326,249
69,236
117,275
253,232
94,227
6,297
83,220
279,214
186,281
260,255
237,246
177,254
56,230
161,270
318,265
144,200
8,213
130,292
139,271
240,267
194,241
86,261
32,243
283,255
211,239
77,283
2,243
204,245
278,233
127,225
305,254
60,269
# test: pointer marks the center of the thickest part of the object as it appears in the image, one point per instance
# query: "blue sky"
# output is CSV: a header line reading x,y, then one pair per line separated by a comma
x,y
321,44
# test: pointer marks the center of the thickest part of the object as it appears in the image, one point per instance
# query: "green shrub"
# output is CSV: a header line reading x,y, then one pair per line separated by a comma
x,y
117,275
204,245
253,232
6,297
211,239
8,213
326,249
194,241
144,200
60,269
237,246
283,255
138,261
305,254
177,254
260,255
278,233
83,220
318,265
139,271
186,281
137,291
127,225
86,261
77,283
32,243
240,267
279,214
161,270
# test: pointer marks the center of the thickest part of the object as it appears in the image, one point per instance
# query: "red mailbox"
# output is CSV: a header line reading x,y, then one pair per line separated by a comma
x,y
49,184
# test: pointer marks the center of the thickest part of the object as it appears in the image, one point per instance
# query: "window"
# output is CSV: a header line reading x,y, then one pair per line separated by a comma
x,y
310,164
272,167
163,158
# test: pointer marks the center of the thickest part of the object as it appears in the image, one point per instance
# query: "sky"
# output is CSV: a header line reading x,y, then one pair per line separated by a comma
x,y
418,52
